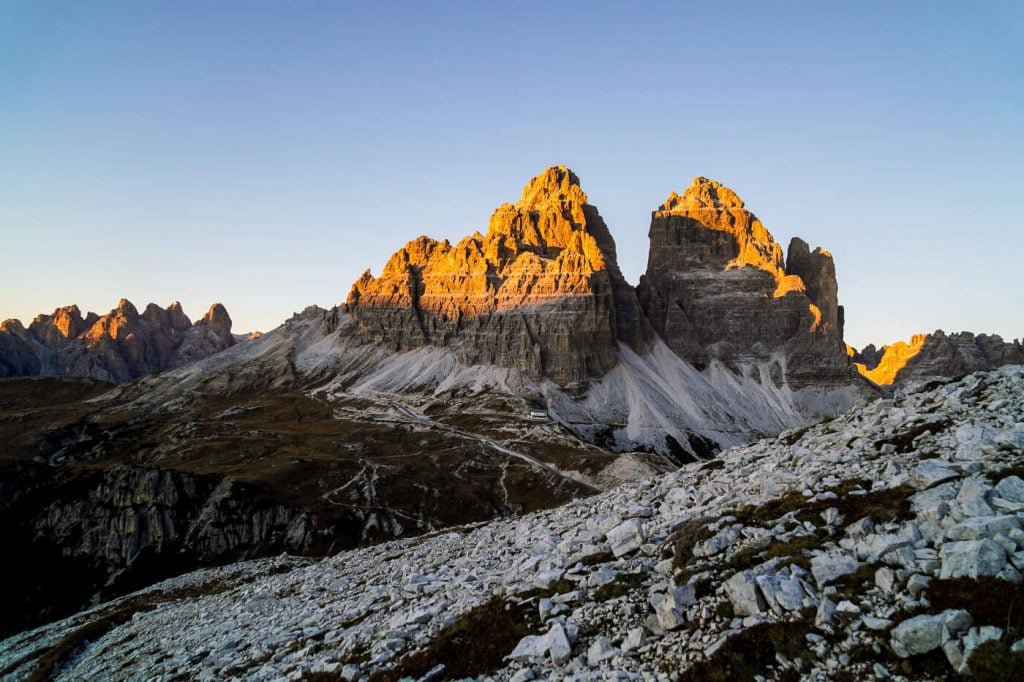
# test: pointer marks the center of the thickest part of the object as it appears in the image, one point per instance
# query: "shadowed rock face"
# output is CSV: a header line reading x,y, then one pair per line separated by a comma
x,y
716,288
937,355
120,346
541,291
818,273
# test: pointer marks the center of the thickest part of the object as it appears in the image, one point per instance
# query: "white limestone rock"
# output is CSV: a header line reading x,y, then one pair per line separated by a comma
x,y
971,559
833,564
627,537
744,594
922,634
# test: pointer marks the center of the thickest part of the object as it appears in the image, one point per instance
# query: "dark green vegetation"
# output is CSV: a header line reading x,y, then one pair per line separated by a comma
x,y
120,486
790,552
904,439
683,539
1013,470
853,502
990,601
752,652
475,644
623,584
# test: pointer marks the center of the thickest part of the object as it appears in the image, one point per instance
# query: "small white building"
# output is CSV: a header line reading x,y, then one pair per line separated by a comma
x,y
541,415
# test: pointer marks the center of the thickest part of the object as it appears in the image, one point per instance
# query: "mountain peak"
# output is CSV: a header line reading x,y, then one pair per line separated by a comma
x,y
704,193
126,308
552,208
217,320
555,185
713,206
548,257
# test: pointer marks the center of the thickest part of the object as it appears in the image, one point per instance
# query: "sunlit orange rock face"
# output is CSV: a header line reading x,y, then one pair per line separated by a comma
x,y
894,358
541,291
717,288
937,355
119,346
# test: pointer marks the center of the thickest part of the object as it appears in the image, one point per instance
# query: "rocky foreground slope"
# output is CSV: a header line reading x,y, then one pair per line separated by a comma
x,y
886,543
120,346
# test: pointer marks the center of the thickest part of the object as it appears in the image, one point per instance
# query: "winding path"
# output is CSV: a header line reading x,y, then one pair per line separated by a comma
x,y
427,421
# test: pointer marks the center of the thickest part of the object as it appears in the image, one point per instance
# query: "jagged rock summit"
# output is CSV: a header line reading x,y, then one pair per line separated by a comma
x,y
938,354
119,346
717,289
540,292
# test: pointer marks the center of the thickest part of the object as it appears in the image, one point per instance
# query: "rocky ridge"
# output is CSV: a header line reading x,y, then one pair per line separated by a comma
x,y
938,354
884,544
119,346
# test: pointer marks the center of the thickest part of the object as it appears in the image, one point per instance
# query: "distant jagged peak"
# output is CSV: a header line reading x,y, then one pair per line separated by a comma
x,y
550,249
551,229
119,346
125,308
892,360
704,193
555,186
12,325
217,319
937,354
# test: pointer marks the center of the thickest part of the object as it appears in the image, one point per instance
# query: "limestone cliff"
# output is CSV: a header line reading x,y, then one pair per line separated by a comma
x,y
937,355
540,292
717,289
119,346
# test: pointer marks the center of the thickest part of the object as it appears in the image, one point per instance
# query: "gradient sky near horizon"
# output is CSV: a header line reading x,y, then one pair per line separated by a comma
x,y
263,154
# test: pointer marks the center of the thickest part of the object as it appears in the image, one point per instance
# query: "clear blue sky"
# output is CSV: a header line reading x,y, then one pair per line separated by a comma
x,y
264,154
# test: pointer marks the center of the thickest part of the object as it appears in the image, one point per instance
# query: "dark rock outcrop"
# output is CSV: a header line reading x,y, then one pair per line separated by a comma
x,y
120,346
818,272
540,292
716,289
869,356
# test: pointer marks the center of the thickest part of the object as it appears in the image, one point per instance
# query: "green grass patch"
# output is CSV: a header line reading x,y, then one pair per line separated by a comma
x,y
990,601
790,552
769,512
792,438
1012,470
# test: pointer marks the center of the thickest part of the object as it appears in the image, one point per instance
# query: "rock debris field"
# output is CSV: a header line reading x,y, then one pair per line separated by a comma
x,y
883,544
